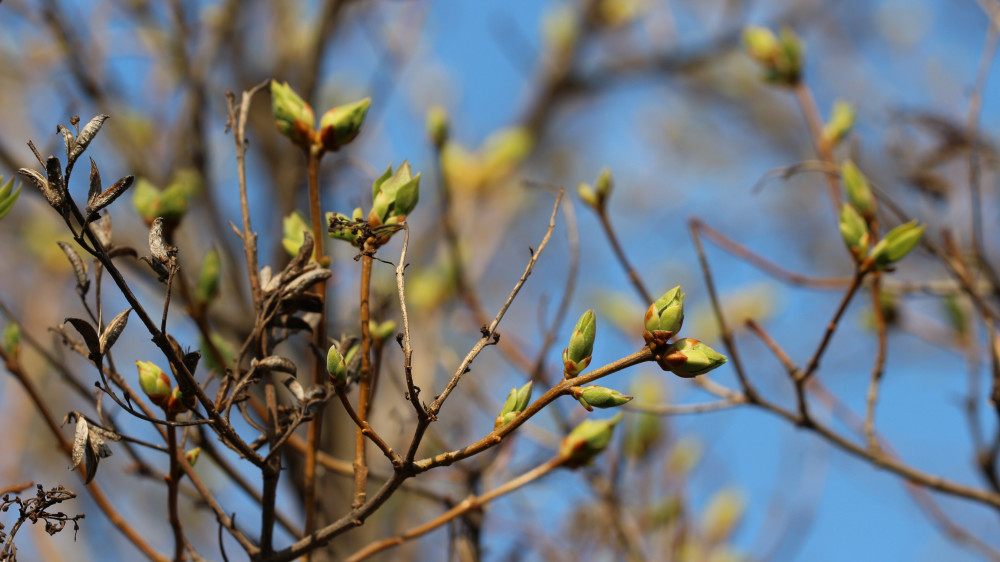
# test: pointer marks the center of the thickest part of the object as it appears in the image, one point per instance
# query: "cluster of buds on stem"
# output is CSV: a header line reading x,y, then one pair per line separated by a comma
x,y
686,357
394,195
597,196
517,401
779,56
295,119
857,217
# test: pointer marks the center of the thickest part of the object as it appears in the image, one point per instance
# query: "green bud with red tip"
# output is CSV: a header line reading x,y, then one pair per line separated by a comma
x,y
154,383
342,124
689,358
664,318
586,441
577,355
594,396
192,456
293,117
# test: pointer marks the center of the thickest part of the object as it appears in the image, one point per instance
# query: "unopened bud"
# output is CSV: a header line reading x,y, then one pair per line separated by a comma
x,y
394,195
154,383
293,117
780,57
689,358
381,331
8,196
208,278
664,318
192,456
594,396
897,243
12,338
341,124
858,191
840,123
854,231
577,356
336,366
437,125
293,228
587,194
179,402
586,441
517,400
604,184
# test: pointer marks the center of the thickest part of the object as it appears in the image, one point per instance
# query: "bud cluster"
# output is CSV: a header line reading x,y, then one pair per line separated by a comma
x,y
779,56
295,119
686,357
517,401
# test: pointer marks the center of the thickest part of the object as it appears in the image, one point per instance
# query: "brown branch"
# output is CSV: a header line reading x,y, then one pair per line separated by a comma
x,y
364,386
467,505
633,275
173,486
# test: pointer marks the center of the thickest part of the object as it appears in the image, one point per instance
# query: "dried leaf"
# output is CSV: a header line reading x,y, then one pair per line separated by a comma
x,y
295,387
158,247
305,253
113,330
277,363
51,195
79,266
103,230
79,441
68,139
107,197
86,135
304,281
89,336
53,170
191,360
95,181
105,434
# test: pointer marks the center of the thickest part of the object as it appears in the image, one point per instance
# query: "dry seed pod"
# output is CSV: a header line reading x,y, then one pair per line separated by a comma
x,y
86,135
79,266
98,202
113,330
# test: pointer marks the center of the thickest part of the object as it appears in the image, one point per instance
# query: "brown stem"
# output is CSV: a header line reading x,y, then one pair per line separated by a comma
x,y
173,487
364,387
633,275
470,503
313,432
878,367
823,149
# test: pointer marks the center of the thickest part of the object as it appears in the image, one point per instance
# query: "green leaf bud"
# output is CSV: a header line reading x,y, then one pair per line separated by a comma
x,y
342,124
192,456
604,184
858,191
8,196
208,278
689,358
897,243
587,194
293,228
154,382
12,338
594,396
577,356
336,366
517,400
437,125
292,115
664,318
586,441
854,231
381,331
840,123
